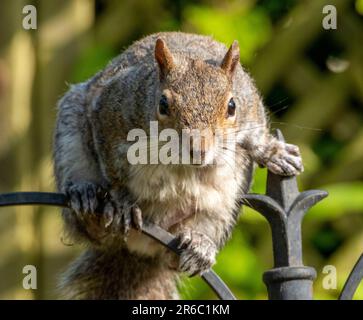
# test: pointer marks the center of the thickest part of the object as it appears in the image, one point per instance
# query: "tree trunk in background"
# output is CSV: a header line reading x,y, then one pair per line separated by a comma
x,y
37,61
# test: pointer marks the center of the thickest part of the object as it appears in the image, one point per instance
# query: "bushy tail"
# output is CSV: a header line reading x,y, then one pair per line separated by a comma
x,y
117,274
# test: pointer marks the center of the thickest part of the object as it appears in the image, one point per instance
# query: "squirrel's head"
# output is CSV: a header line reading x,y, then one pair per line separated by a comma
x,y
196,95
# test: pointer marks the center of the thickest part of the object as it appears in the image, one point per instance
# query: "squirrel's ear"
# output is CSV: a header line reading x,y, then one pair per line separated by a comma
x,y
163,57
231,59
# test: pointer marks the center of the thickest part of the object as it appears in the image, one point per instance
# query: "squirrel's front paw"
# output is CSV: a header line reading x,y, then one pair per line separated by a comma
x,y
101,213
121,213
284,159
198,254
84,199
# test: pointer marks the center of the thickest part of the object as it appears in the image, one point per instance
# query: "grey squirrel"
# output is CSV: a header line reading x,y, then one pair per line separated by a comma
x,y
183,81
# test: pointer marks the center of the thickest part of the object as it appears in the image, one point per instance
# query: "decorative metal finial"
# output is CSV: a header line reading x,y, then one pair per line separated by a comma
x,y
284,208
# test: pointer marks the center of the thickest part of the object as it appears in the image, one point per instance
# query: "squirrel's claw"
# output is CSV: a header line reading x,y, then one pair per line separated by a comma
x,y
108,214
83,198
137,217
126,214
126,223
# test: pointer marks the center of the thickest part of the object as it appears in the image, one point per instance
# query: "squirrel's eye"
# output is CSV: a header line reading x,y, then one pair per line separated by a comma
x,y
164,106
231,108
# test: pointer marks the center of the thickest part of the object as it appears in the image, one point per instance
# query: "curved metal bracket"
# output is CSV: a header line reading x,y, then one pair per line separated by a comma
x,y
354,279
150,229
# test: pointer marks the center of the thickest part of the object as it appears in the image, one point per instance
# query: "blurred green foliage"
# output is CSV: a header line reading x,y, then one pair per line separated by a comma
x,y
250,26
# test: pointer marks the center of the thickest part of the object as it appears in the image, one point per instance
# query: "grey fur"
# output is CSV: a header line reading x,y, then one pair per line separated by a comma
x,y
199,204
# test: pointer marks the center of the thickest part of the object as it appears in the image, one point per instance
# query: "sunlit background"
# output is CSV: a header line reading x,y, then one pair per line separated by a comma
x,y
311,80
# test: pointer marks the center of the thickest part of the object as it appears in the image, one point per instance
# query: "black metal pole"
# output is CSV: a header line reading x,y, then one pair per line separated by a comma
x,y
284,208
